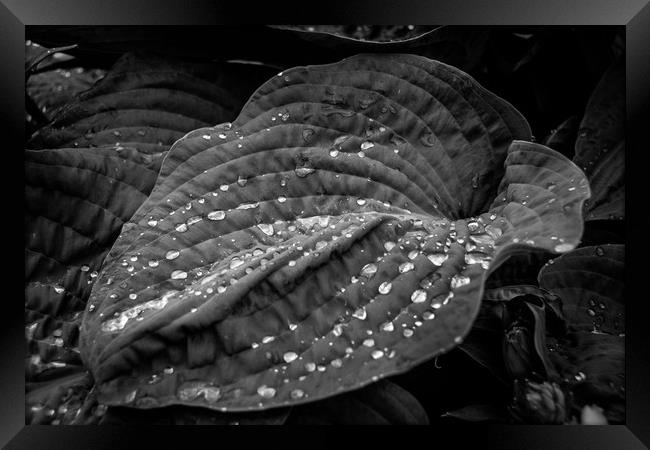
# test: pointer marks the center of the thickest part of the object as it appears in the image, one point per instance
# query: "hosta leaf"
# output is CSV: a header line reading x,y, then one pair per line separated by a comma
x,y
147,102
382,403
590,283
339,231
563,138
460,46
600,147
77,202
56,88
186,415
591,357
59,401
36,55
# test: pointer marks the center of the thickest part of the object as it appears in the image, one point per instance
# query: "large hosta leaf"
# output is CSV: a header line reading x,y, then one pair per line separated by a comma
x,y
339,231
600,146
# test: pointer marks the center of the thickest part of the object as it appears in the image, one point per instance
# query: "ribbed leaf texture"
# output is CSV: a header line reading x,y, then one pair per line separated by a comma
x,y
337,232
600,146
148,102
591,357
79,198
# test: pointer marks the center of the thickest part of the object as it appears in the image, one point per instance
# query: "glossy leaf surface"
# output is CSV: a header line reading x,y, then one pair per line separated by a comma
x,y
340,230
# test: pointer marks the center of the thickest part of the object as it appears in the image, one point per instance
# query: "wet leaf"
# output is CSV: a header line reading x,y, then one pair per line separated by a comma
x,y
148,102
563,138
54,89
590,282
382,403
338,232
600,147
591,357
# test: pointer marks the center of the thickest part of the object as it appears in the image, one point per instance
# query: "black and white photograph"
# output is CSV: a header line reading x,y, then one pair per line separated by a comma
x,y
325,225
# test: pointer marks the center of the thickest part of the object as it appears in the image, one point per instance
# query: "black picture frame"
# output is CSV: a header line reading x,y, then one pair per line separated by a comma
x,y
634,15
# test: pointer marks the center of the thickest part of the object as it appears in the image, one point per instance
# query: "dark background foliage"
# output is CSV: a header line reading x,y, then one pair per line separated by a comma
x,y
548,73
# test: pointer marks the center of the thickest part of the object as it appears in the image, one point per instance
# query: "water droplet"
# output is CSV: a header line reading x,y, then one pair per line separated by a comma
x,y
84,268
172,254
413,254
292,263
58,289
267,339
437,258
407,332
459,280
224,187
369,270
406,267
366,145
290,356
310,367
307,134
303,171
181,227
561,248
133,296
369,342
297,394
334,153
385,287
428,315
282,199
418,296
428,139
266,228
389,245
236,262
361,201
266,392
217,215
248,205
336,363
360,313
178,275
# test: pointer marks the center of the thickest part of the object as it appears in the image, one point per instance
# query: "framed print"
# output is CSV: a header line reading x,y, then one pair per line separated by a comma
x,y
420,215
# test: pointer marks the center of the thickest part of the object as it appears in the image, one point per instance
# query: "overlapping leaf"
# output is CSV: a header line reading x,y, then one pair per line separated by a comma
x,y
591,357
79,198
600,146
54,89
339,231
147,102
462,47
